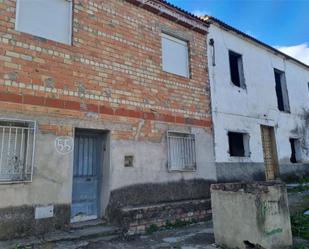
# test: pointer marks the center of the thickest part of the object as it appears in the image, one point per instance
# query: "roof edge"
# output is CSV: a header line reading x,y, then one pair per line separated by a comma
x,y
173,13
213,20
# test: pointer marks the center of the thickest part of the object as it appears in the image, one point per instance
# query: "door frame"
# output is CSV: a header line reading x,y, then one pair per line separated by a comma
x,y
100,133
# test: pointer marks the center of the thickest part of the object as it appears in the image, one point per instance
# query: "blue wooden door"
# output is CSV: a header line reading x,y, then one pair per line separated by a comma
x,y
87,161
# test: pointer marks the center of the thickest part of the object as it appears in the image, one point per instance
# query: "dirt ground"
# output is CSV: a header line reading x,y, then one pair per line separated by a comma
x,y
197,236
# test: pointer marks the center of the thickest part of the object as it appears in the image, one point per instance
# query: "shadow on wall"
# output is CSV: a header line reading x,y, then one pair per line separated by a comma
x,y
156,193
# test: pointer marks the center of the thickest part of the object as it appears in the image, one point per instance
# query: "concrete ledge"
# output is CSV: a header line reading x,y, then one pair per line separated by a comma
x,y
251,214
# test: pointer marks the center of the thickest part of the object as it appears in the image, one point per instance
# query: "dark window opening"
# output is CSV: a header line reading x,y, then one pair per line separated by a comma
x,y
295,150
281,91
236,69
236,144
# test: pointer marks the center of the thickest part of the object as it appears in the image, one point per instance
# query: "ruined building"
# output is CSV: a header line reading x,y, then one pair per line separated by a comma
x,y
260,107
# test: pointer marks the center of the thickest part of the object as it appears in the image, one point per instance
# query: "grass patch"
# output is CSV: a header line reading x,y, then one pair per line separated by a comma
x,y
298,189
302,187
300,225
300,247
152,228
170,225
178,223
22,247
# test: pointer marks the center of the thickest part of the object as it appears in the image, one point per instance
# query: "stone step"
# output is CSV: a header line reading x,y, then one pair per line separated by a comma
x,y
84,233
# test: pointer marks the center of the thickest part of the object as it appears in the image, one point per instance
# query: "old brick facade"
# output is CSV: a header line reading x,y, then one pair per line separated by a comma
x,y
109,79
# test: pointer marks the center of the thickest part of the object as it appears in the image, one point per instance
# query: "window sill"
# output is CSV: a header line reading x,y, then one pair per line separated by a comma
x,y
176,75
44,40
14,182
181,170
239,159
239,88
286,112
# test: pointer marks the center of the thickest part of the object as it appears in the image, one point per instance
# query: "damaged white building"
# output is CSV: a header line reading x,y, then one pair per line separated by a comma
x,y
260,107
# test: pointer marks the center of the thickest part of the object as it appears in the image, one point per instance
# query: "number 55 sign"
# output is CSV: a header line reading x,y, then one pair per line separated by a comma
x,y
64,145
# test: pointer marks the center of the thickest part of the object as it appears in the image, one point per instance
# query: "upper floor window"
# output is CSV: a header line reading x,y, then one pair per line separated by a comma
x,y
281,91
45,18
175,55
236,69
17,139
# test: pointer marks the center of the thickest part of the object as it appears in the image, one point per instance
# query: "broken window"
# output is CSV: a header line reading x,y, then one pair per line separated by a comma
x,y
236,69
238,144
44,18
295,150
17,140
181,151
281,91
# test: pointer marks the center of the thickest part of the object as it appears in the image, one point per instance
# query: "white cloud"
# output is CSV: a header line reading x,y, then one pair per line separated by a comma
x,y
300,52
200,12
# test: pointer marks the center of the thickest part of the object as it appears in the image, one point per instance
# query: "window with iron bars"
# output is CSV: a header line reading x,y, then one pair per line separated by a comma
x,y
17,142
181,151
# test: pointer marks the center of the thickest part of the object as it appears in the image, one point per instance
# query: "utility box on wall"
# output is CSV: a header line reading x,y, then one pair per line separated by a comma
x,y
251,214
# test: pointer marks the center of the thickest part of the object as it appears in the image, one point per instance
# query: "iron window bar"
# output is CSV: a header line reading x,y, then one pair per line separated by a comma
x,y
181,151
17,141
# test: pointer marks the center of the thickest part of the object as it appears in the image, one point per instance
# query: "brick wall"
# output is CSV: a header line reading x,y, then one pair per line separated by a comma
x,y
112,71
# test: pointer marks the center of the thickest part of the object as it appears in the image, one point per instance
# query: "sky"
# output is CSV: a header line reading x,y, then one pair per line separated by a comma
x,y
283,24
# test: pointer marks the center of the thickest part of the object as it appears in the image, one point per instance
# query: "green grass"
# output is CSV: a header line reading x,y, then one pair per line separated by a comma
x,y
22,247
301,187
300,247
298,189
300,225
152,228
169,225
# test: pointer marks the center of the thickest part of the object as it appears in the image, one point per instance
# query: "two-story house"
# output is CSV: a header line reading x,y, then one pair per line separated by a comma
x,y
260,107
103,105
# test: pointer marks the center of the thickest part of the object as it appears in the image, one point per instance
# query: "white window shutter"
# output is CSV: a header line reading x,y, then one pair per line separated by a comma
x,y
50,19
175,55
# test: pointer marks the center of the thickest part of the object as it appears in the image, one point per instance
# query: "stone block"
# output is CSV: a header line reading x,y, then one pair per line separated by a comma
x,y
251,214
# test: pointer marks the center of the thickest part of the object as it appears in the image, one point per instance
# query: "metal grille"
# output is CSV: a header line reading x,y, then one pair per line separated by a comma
x,y
181,151
17,139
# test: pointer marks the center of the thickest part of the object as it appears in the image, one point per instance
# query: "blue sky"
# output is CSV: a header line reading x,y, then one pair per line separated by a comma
x,y
280,23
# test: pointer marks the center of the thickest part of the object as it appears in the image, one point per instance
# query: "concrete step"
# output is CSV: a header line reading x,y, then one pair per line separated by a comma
x,y
86,224
84,233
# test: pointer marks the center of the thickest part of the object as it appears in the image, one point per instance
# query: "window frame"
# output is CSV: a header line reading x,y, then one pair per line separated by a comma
x,y
31,124
245,141
240,68
181,41
70,23
169,160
